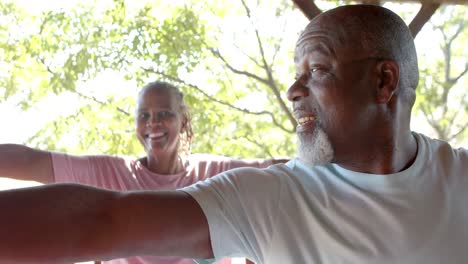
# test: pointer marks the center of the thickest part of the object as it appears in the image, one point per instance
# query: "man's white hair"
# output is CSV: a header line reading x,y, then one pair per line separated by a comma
x,y
314,147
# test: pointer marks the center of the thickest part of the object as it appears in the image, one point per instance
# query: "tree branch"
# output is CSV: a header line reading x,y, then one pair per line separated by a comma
x,y
271,82
308,8
462,129
212,98
449,81
430,119
92,98
277,47
248,56
454,80
371,2
257,35
256,143
448,44
461,25
237,71
455,116
424,14
261,146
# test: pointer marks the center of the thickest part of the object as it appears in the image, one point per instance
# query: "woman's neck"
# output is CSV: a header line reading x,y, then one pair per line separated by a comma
x,y
168,164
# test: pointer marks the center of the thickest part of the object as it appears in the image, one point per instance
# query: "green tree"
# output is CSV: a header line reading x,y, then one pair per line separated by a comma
x,y
64,48
249,66
442,93
242,114
232,60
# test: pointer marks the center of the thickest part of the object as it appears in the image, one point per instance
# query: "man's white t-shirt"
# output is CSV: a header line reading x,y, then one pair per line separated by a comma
x,y
296,213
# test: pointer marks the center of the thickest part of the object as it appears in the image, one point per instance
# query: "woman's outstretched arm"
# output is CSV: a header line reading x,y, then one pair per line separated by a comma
x,y
25,163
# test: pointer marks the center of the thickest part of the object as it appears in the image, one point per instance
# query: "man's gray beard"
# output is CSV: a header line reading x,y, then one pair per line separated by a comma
x,y
314,148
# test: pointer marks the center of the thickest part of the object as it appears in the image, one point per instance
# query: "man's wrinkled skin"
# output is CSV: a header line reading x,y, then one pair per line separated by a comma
x,y
348,96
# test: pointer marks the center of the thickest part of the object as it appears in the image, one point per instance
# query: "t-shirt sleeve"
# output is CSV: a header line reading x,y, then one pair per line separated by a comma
x,y
100,171
68,168
241,206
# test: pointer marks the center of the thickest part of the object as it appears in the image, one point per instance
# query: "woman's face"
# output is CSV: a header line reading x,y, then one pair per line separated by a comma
x,y
159,122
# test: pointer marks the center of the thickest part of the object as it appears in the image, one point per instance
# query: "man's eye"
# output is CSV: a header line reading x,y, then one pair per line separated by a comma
x,y
315,70
317,73
143,115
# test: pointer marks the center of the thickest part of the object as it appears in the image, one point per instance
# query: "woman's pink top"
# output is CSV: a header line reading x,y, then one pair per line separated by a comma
x,y
125,174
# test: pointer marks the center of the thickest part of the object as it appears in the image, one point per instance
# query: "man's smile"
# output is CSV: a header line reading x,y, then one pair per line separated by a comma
x,y
306,120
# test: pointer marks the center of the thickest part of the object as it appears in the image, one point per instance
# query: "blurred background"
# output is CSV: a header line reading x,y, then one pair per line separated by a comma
x,y
70,71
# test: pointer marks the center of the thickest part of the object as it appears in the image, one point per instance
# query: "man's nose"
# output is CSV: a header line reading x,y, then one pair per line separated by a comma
x,y
298,89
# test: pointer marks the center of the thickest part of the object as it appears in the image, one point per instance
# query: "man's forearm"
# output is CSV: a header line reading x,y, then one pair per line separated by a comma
x,y
64,223
57,223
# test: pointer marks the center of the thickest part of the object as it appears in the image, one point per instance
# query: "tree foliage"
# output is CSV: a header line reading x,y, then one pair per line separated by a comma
x,y
238,104
231,59
442,93
65,48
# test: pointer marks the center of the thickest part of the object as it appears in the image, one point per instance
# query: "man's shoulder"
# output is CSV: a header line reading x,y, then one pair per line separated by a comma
x,y
271,171
290,173
251,177
441,147
441,157
296,165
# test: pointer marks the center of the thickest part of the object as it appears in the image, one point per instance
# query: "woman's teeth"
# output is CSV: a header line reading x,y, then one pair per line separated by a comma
x,y
156,135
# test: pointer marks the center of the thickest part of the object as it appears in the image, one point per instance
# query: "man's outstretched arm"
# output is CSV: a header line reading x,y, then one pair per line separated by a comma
x,y
63,223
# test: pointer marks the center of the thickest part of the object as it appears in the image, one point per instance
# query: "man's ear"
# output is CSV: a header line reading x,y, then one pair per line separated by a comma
x,y
389,75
